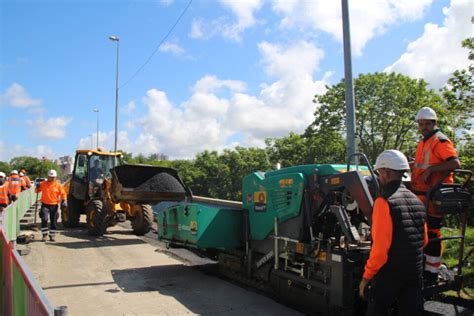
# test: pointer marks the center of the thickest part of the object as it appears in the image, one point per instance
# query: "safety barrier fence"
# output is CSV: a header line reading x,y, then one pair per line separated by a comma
x,y
20,294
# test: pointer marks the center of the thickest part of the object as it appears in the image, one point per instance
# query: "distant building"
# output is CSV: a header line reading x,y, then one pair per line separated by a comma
x,y
66,164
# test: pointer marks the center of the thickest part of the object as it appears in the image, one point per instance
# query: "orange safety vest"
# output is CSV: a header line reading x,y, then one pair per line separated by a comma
x,y
14,184
4,193
430,152
51,192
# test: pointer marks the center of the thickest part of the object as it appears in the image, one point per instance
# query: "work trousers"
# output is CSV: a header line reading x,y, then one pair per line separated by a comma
x,y
49,212
434,250
389,288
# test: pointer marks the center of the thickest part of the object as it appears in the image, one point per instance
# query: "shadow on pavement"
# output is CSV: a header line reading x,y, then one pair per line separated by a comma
x,y
201,294
87,241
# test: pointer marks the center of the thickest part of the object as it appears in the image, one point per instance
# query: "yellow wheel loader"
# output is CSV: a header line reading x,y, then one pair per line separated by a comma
x,y
108,192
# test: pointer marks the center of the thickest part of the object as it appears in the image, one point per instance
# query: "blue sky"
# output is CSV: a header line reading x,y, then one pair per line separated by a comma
x,y
231,72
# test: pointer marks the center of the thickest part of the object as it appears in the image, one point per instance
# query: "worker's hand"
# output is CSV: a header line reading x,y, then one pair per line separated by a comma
x,y
425,176
362,288
63,204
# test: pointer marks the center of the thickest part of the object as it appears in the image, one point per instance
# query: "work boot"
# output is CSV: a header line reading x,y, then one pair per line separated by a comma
x,y
51,238
44,238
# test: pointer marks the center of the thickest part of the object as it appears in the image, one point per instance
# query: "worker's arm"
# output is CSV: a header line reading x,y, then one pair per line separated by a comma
x,y
382,228
445,151
63,193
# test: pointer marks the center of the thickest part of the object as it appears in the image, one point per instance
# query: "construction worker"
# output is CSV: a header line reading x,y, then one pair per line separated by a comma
x,y
95,172
52,192
4,201
395,264
435,155
26,178
15,185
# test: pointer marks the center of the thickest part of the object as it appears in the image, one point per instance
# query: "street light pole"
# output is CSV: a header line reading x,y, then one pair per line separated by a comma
x,y
116,39
97,111
92,141
350,107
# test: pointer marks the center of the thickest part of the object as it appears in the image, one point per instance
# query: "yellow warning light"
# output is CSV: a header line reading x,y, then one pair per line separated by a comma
x,y
336,180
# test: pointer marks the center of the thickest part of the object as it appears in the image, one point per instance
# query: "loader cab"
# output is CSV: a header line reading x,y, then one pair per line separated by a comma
x,y
90,168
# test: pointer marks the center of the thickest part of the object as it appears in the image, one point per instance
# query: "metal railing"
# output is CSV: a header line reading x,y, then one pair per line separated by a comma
x,y
20,294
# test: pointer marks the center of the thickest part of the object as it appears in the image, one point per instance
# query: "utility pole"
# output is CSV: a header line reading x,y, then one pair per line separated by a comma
x,y
117,40
350,108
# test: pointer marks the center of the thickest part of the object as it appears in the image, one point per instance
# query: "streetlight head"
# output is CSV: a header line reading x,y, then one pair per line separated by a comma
x,y
96,110
114,38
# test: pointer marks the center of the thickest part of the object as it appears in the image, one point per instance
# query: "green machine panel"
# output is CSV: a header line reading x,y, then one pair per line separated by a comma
x,y
279,193
200,226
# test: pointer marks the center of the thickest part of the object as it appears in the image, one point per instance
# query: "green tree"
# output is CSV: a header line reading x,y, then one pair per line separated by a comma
x,y
241,162
5,167
385,108
459,96
34,167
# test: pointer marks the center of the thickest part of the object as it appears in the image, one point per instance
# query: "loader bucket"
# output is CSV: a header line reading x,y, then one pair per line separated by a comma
x,y
147,184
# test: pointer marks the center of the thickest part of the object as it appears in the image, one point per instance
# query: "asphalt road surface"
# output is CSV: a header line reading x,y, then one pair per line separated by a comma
x,y
122,274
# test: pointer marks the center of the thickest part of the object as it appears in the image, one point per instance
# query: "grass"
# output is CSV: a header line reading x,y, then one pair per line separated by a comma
x,y
451,255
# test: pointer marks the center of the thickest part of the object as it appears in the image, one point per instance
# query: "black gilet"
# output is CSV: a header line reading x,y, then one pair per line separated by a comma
x,y
405,257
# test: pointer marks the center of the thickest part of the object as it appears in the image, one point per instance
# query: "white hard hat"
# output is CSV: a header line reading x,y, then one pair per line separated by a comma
x,y
392,159
21,174
52,173
14,172
2,174
426,113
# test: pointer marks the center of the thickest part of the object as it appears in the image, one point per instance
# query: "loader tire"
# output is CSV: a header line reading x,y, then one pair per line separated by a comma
x,y
96,215
71,214
142,222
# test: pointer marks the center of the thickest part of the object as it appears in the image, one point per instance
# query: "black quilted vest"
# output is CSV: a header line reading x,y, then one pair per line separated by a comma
x,y
405,257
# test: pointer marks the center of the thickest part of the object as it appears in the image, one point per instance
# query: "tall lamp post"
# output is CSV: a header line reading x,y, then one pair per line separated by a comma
x,y
97,111
116,39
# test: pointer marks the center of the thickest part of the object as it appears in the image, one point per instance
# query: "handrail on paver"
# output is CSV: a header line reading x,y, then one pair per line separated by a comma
x,y
20,294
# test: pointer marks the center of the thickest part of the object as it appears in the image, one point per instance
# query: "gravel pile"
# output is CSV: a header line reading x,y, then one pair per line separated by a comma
x,y
149,179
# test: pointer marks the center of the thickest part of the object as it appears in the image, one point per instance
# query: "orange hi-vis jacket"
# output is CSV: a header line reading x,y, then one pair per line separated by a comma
x,y
27,181
4,194
15,183
51,191
432,150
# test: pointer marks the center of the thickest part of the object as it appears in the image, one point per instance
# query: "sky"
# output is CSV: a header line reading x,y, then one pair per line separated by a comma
x,y
232,72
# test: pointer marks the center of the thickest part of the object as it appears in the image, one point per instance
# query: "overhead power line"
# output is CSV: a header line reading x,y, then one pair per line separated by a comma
x,y
158,46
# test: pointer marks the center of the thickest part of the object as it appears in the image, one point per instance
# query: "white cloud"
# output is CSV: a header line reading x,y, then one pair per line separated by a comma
x,y
129,108
17,96
166,3
197,29
52,128
219,110
367,19
9,151
436,54
243,11
172,48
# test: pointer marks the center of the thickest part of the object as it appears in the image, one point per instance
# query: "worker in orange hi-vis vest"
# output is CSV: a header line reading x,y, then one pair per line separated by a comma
x,y
15,185
435,155
4,200
51,194
26,178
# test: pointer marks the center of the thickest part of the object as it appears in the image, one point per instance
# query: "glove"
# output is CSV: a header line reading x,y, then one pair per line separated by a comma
x,y
63,204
